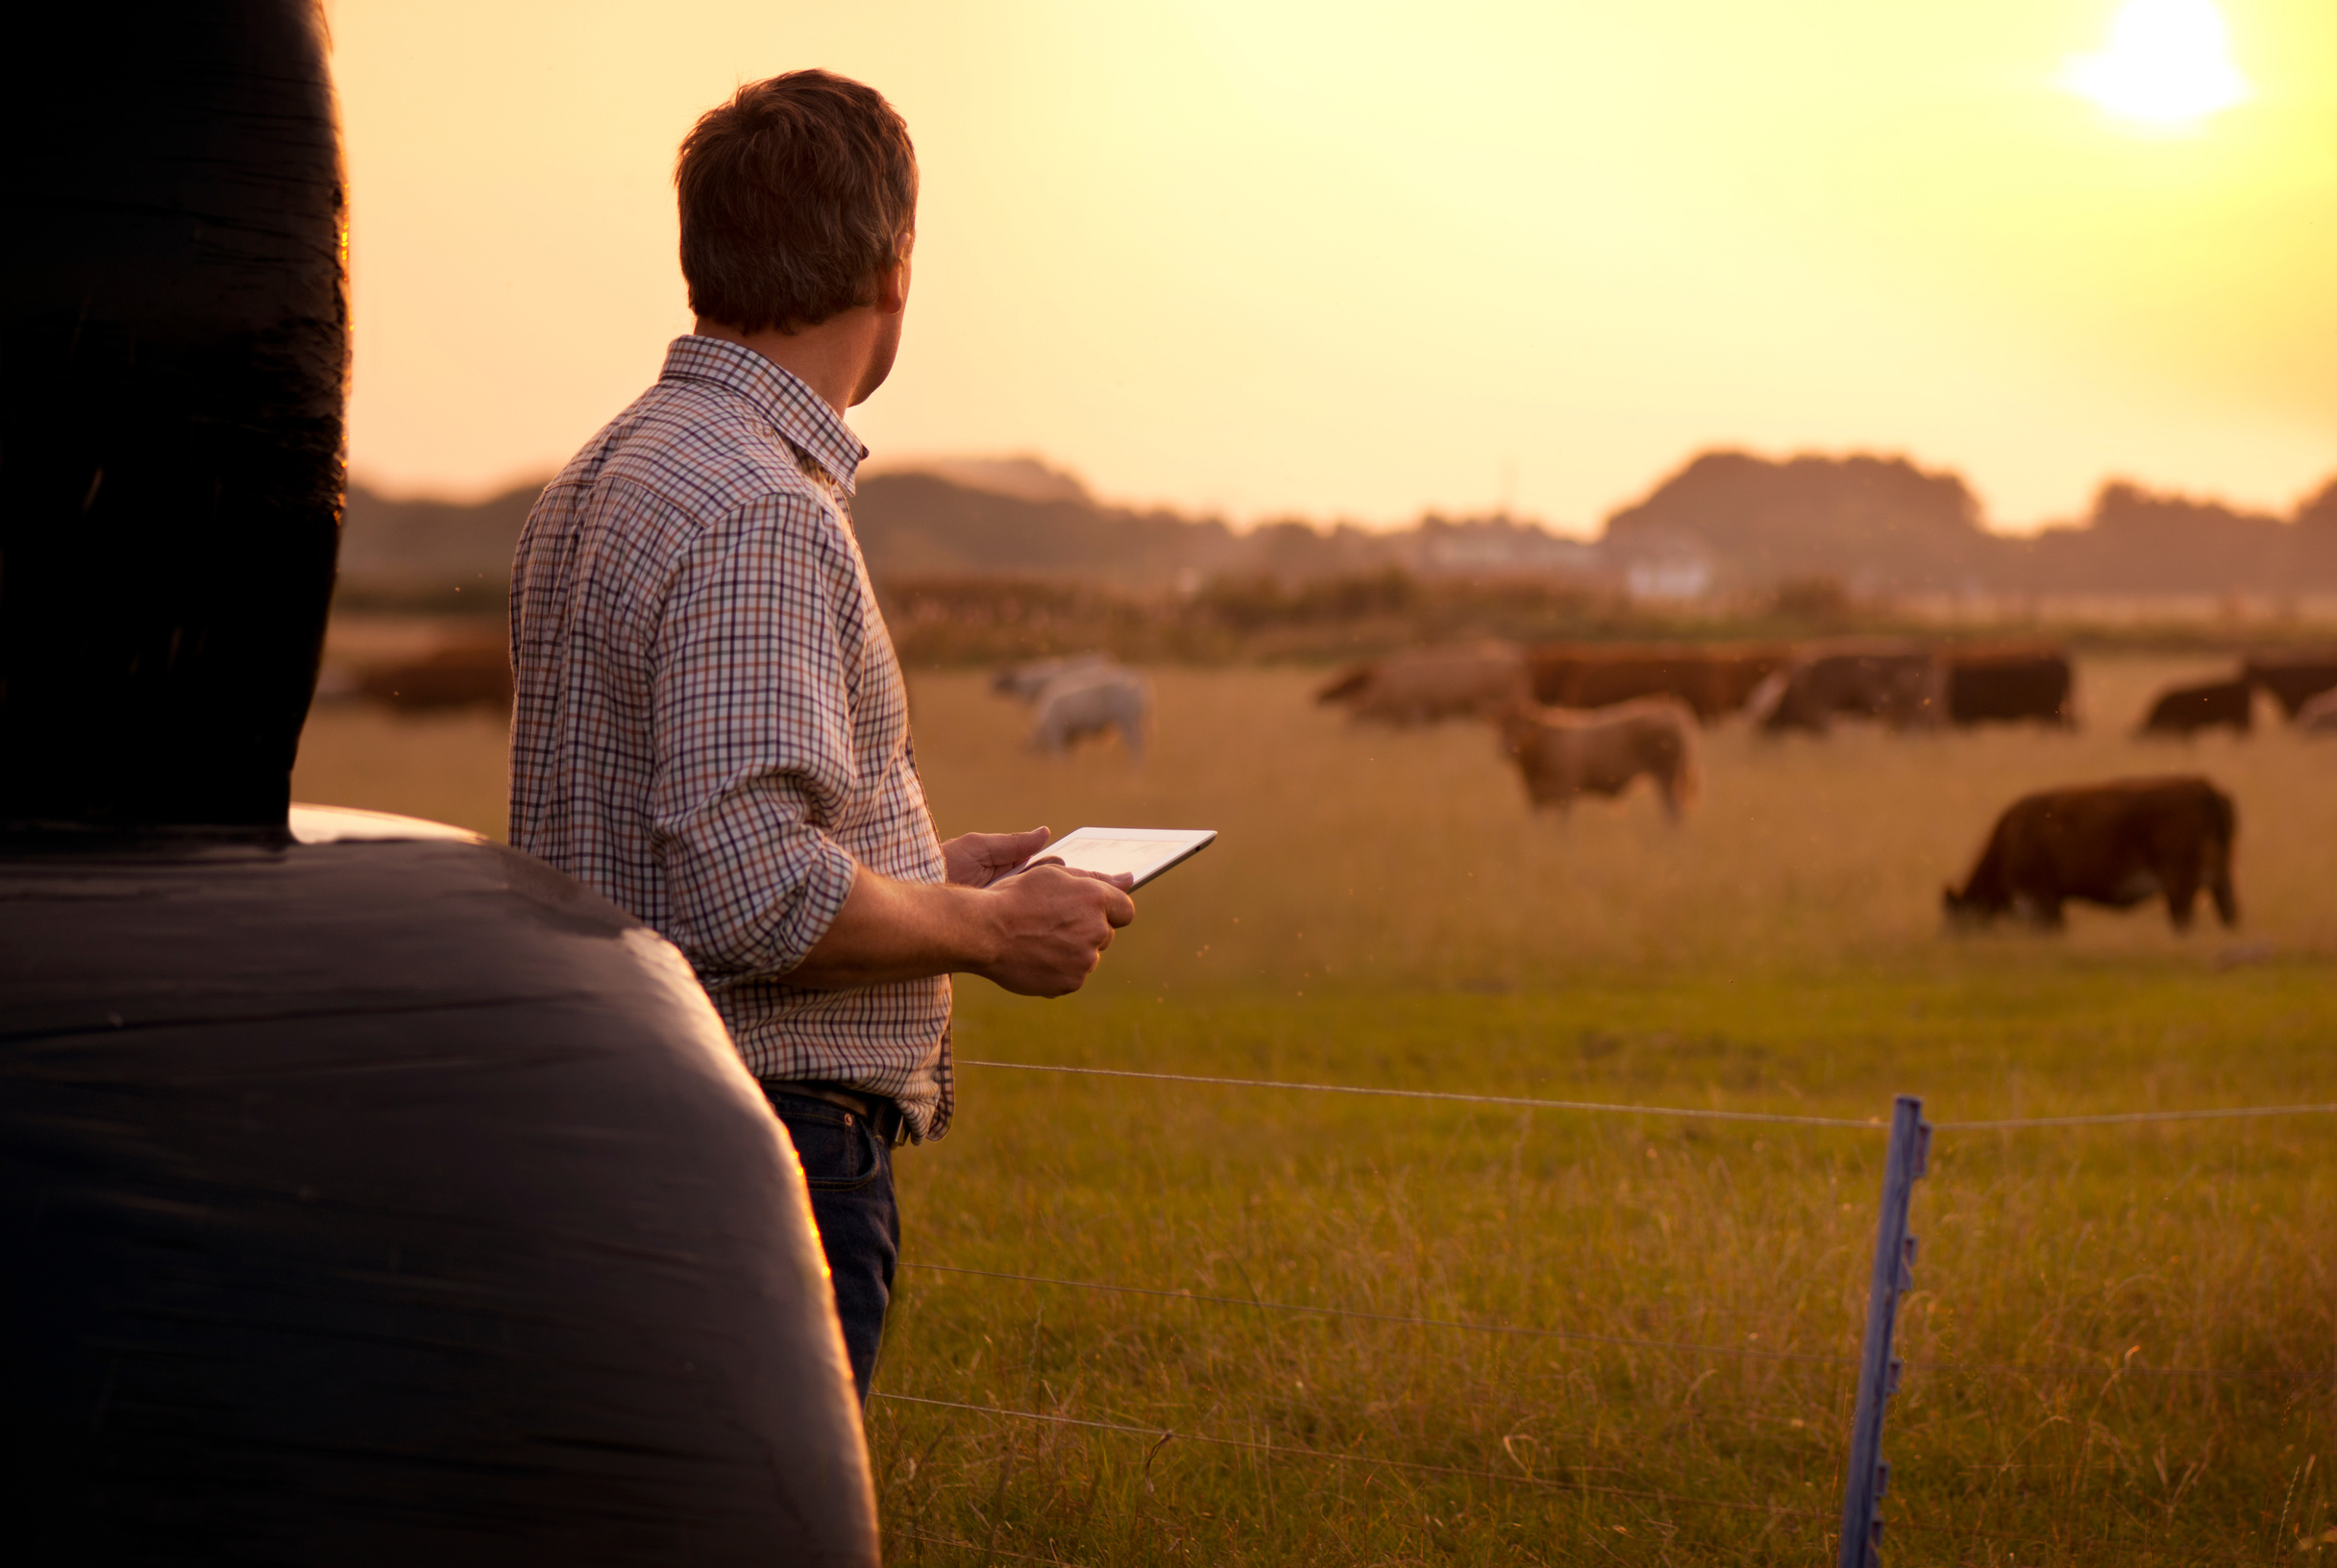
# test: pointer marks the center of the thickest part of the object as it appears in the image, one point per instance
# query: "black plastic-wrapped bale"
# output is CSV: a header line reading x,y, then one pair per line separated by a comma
x,y
378,1201
371,1193
173,360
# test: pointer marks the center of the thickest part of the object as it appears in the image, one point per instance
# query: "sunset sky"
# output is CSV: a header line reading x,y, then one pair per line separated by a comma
x,y
1355,259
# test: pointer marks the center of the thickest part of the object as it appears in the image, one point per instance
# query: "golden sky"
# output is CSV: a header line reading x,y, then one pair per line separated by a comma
x,y
1358,259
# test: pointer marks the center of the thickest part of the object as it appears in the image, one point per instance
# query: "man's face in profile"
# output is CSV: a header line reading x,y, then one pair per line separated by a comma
x,y
891,309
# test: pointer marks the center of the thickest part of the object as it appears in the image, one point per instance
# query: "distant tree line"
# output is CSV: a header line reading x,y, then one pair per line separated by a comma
x,y
1726,522
1880,524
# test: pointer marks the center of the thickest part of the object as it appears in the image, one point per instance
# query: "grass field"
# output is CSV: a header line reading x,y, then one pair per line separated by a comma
x,y
2122,1340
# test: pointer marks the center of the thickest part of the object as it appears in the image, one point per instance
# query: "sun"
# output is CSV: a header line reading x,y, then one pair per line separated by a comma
x,y
2168,65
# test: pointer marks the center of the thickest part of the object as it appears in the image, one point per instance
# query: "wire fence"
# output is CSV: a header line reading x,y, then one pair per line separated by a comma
x,y
1869,1124
1522,1475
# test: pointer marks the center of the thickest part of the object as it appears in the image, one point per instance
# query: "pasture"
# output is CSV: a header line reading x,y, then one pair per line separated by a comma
x,y
2121,1339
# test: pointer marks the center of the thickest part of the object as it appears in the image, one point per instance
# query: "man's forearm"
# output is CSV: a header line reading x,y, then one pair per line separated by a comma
x,y
890,930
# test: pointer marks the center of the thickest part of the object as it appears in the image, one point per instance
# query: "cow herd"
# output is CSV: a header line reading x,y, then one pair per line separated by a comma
x,y
1591,719
1587,719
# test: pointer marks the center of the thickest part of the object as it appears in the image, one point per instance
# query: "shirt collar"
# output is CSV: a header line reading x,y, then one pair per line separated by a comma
x,y
800,415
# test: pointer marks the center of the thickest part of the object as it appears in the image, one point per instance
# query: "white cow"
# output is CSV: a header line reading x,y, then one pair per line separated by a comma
x,y
1023,682
1089,700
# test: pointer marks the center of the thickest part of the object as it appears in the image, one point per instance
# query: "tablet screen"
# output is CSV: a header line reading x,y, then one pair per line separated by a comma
x,y
1141,852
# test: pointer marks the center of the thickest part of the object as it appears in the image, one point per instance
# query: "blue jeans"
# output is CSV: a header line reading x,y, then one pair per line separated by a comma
x,y
850,1171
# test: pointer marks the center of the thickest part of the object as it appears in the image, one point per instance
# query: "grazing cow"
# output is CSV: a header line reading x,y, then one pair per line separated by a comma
x,y
2186,710
1025,681
2119,844
453,676
1714,681
1089,699
1901,684
1467,681
2006,685
2319,715
1564,752
2294,679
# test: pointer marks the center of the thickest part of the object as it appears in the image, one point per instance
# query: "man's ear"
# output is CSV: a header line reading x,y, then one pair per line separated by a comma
x,y
893,287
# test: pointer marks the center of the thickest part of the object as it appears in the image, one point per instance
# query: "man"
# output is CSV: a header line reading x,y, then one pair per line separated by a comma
x,y
711,727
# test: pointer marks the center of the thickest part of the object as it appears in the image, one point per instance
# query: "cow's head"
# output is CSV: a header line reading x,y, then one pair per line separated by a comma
x,y
1514,720
1963,913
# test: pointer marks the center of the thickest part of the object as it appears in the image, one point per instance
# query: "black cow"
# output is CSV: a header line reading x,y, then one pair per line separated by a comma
x,y
2009,684
2186,710
1899,683
2119,844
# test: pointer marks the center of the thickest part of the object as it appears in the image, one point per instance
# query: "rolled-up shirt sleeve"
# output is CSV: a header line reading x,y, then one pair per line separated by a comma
x,y
754,659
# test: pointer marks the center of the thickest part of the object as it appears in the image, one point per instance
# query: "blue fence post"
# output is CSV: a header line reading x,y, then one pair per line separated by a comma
x,y
1870,1473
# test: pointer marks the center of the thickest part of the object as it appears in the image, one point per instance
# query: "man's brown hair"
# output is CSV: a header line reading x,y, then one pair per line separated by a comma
x,y
796,195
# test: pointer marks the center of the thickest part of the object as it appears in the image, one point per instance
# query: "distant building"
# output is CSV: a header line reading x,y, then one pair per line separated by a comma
x,y
1669,578
1498,545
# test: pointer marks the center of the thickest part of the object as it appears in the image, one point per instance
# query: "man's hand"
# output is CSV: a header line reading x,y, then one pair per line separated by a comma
x,y
1039,933
976,860
1052,925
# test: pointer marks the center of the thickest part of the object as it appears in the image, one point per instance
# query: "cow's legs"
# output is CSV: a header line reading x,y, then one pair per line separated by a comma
x,y
1670,789
2178,873
2226,905
2044,914
2182,893
2218,886
2181,881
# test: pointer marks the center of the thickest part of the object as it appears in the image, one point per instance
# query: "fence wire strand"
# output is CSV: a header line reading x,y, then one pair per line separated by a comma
x,y
1522,1478
1523,1101
2120,1119
1870,1124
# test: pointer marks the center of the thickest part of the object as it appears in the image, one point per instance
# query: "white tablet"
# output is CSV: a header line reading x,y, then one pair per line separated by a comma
x,y
1142,853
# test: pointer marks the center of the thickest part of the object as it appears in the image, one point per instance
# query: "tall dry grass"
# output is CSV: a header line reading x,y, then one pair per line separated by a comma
x,y
1408,858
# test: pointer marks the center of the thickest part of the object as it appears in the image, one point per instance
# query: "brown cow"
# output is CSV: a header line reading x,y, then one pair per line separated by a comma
x,y
1903,684
1564,752
2119,844
2294,679
453,676
1465,681
2007,683
1713,679
2186,710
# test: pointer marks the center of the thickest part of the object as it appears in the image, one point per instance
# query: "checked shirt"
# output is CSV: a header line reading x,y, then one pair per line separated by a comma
x,y
710,726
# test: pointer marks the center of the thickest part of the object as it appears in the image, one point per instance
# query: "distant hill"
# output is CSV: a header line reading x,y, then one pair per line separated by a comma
x,y
2135,542
1881,523
1876,523
926,524
1726,521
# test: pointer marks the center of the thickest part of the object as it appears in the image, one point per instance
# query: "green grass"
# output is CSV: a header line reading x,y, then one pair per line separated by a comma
x,y
1383,910
2204,1245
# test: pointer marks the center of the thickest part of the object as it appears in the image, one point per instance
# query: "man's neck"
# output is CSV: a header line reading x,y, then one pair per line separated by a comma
x,y
832,359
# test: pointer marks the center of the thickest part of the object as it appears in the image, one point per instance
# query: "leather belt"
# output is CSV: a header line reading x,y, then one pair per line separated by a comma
x,y
881,1113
